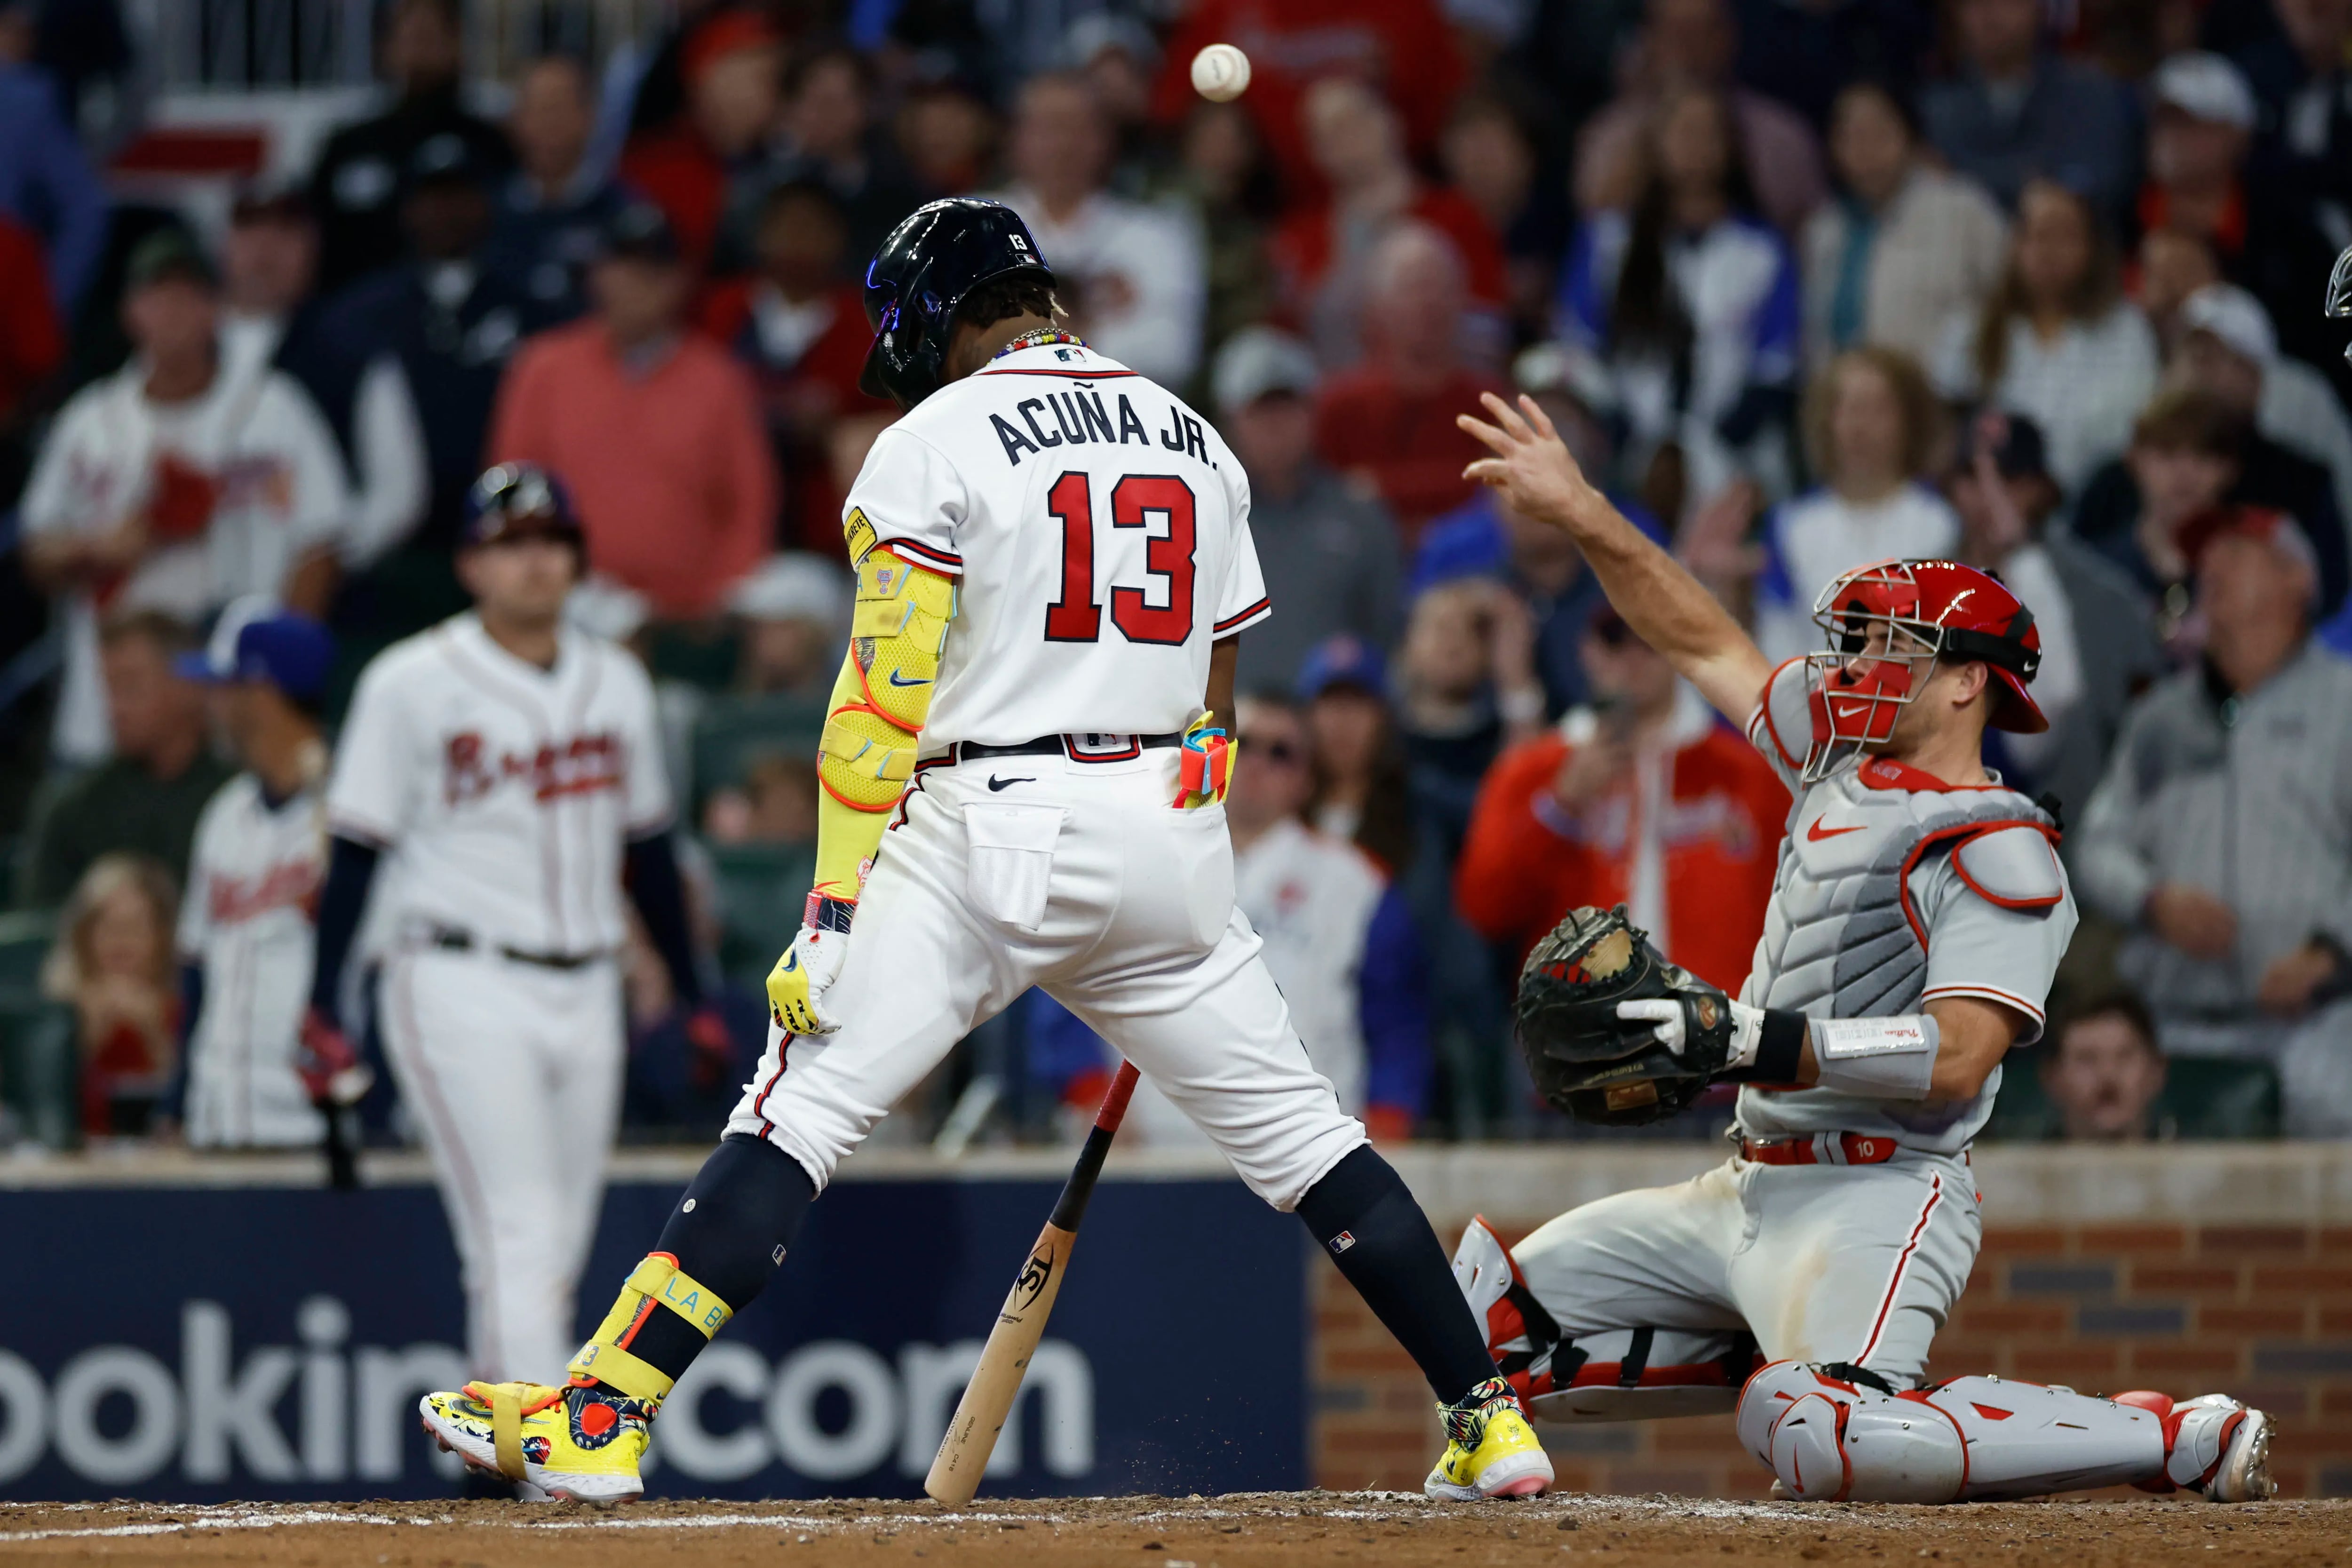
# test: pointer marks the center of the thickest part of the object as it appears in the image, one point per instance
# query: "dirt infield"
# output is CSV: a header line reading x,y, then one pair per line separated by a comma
x,y
1246,1531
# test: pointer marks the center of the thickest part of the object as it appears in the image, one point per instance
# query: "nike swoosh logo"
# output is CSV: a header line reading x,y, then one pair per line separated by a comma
x,y
896,681
791,961
1815,834
996,783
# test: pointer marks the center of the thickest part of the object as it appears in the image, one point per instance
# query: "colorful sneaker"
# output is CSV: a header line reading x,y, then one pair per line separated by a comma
x,y
2214,1446
1490,1449
573,1445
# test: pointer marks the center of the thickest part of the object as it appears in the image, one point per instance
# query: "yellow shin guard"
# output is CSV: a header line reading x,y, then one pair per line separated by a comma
x,y
654,1283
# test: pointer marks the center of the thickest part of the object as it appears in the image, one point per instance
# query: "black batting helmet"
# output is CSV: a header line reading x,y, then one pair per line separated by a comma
x,y
924,270
520,498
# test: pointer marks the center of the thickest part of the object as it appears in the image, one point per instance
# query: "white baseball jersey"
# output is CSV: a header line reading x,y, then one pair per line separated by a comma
x,y
508,792
1084,510
245,920
278,484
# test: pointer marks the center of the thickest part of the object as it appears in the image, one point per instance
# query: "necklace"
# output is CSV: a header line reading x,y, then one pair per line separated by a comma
x,y
1042,337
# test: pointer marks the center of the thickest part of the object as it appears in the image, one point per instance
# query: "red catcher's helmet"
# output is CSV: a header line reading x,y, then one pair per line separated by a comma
x,y
1920,611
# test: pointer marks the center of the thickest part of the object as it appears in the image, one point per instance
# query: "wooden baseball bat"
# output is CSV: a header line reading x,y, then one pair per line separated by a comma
x,y
1021,1322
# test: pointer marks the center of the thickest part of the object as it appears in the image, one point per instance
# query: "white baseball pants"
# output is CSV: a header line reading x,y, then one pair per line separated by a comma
x,y
1079,877
513,1073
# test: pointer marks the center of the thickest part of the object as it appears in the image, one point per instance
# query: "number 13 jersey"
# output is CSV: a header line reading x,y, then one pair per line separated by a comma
x,y
1098,529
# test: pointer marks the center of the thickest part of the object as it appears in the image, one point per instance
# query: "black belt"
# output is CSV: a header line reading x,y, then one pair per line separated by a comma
x,y
453,941
1078,748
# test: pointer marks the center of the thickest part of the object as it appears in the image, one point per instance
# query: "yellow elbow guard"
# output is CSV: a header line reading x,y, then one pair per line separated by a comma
x,y
899,633
654,1283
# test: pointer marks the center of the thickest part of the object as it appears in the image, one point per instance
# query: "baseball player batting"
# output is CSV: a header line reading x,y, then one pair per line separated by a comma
x,y
501,775
1023,785
1917,916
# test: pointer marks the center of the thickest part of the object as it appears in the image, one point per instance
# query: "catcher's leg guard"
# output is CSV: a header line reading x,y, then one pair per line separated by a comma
x,y
654,1285
1838,1434
2214,1446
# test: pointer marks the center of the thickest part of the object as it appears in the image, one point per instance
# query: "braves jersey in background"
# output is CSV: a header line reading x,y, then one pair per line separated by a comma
x,y
505,792
1083,510
1894,888
245,920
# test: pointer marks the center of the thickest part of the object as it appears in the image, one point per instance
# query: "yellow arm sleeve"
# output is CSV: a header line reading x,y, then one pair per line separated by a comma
x,y
879,702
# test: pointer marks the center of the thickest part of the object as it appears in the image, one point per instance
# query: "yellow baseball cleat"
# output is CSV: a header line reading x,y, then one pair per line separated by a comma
x,y
576,1445
1490,1451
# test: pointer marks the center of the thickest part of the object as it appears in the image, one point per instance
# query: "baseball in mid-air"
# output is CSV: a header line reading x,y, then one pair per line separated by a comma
x,y
1220,73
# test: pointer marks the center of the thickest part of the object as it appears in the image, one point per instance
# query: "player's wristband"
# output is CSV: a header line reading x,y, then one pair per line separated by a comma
x,y
823,914
1768,1045
1883,1059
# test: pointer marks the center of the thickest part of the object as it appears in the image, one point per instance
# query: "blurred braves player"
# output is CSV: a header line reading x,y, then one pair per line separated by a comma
x,y
1917,916
1022,786
253,880
505,770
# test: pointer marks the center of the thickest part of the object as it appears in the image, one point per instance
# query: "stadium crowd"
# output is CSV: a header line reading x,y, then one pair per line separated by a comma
x,y
2036,286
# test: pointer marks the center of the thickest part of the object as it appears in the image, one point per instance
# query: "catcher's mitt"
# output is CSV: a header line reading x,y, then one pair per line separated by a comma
x,y
1588,1060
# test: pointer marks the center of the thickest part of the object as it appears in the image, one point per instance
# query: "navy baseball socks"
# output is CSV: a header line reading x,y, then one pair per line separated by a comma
x,y
1369,1223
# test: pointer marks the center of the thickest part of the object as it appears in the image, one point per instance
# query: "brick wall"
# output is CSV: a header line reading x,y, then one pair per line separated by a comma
x,y
2246,1288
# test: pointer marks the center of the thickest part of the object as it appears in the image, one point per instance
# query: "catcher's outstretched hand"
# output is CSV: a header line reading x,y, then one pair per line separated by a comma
x,y
1531,464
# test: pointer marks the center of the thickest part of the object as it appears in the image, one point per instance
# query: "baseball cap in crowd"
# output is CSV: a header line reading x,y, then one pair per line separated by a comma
x,y
2236,317
258,639
1099,32
1342,660
270,200
637,231
2204,85
169,253
794,586
1258,362
2236,520
447,158
2022,453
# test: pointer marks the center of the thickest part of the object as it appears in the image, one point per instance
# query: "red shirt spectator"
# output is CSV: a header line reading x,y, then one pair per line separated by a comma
x,y
1400,48
1390,421
732,64
32,346
1673,815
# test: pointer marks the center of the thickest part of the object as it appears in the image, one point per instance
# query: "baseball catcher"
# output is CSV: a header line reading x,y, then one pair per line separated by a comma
x,y
1918,914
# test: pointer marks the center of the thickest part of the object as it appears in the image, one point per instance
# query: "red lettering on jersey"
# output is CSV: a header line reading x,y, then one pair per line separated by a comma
x,y
582,765
289,884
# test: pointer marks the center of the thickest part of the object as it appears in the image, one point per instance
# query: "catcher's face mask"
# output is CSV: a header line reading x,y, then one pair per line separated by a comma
x,y
2339,292
1880,655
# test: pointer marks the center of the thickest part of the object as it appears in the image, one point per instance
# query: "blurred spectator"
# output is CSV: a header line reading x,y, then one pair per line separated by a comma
x,y
798,326
32,336
271,315
1388,423
145,798
1871,434
1691,304
1641,799
827,137
682,1085
550,210
1339,941
2228,348
2098,648
1903,247
1687,46
451,317
2200,123
1401,49
1224,172
794,612
112,965
1491,157
2299,175
1130,275
2057,341
1119,57
2017,112
46,184
2222,831
363,168
2102,1073
655,429
1805,55
947,136
775,804
1335,550
1466,685
244,936
175,485
732,64
2172,266
1323,252
1359,792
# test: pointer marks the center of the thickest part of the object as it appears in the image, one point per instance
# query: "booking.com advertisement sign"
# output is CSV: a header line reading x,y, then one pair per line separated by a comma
x,y
271,1343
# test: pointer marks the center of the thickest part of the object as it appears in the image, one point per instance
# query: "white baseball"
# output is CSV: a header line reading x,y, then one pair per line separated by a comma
x,y
1220,73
